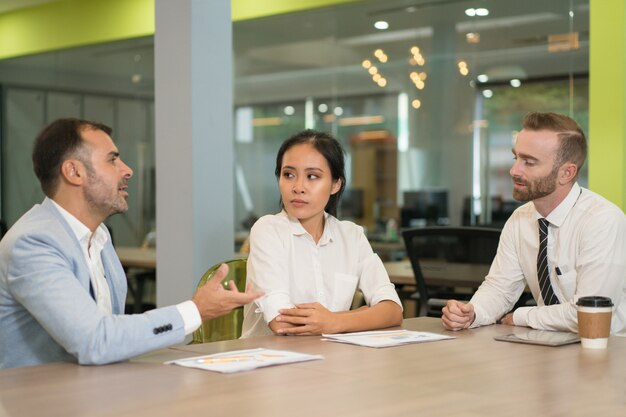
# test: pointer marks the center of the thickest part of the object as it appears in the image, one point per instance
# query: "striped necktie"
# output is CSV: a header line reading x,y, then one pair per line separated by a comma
x,y
543,272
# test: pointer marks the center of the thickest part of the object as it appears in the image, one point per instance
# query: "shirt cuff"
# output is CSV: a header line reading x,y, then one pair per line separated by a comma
x,y
191,316
480,318
271,304
520,316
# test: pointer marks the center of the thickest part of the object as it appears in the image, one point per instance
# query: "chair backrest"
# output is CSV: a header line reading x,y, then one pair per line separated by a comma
x,y
226,327
448,245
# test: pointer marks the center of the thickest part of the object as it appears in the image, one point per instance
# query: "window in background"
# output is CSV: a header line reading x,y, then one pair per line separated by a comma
x,y
259,132
111,83
402,100
415,85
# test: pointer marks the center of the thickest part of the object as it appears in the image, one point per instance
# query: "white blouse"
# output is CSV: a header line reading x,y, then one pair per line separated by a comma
x,y
287,264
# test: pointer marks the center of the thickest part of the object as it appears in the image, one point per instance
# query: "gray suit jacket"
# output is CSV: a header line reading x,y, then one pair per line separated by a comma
x,y
47,312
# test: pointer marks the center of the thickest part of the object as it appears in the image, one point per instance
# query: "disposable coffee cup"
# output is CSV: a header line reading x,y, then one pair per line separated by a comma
x,y
594,321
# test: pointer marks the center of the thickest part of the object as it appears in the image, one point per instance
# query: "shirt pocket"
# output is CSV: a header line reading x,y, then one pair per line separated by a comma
x,y
567,282
344,287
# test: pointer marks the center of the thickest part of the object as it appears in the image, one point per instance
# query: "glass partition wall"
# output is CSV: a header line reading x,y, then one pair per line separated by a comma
x,y
425,96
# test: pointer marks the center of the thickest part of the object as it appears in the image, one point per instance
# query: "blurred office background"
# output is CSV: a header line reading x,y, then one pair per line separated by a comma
x,y
425,95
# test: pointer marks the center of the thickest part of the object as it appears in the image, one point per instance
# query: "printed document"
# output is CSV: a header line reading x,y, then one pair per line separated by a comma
x,y
385,338
243,360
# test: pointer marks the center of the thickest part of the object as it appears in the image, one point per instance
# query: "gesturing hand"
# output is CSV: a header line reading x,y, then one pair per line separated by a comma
x,y
213,300
309,319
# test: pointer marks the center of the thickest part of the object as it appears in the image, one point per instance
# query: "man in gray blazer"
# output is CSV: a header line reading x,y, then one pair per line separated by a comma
x,y
62,287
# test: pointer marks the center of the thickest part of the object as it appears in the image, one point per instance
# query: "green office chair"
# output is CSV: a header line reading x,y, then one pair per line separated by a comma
x,y
226,327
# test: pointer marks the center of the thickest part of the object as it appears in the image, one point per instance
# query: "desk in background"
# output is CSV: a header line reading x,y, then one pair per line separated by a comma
x,y
145,259
472,375
438,273
388,250
135,257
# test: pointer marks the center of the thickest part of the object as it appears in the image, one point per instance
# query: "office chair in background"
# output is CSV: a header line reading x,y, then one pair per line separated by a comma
x,y
444,247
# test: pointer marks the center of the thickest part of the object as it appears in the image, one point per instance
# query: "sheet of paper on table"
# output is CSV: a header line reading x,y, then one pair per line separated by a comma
x,y
385,338
243,360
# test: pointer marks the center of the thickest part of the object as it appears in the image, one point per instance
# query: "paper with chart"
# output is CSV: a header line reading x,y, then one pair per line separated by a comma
x,y
385,338
243,360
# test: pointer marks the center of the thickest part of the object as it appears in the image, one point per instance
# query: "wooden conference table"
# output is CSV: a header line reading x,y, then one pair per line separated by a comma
x,y
472,375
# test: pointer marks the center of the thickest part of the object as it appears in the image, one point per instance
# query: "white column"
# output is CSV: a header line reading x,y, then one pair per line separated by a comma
x,y
194,150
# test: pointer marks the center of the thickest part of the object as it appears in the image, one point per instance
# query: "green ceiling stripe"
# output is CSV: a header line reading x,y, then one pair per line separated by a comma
x,y
71,23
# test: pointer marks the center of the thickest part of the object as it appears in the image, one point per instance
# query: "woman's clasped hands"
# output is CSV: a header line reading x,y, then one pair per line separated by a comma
x,y
307,319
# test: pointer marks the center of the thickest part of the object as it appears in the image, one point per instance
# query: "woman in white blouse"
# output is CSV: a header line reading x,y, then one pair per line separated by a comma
x,y
308,263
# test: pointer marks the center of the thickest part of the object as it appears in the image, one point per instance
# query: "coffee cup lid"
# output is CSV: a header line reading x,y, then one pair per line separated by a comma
x,y
594,301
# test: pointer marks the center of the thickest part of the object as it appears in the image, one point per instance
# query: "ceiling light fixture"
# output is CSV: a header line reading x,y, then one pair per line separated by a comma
x,y
480,12
381,25
483,78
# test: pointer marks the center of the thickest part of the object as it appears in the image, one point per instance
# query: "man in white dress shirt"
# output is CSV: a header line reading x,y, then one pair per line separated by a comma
x,y
586,239
62,287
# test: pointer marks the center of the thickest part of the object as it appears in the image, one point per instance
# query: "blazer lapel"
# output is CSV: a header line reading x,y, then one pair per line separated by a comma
x,y
73,245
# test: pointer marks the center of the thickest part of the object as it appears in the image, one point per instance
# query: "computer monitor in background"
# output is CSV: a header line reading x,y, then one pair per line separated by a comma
x,y
351,204
425,207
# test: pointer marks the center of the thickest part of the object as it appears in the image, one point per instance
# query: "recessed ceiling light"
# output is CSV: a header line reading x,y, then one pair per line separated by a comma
x,y
482,78
381,25
481,11
515,82
487,93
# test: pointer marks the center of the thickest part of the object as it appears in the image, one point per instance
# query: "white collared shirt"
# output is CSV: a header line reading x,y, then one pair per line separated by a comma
x,y
92,245
586,242
287,264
